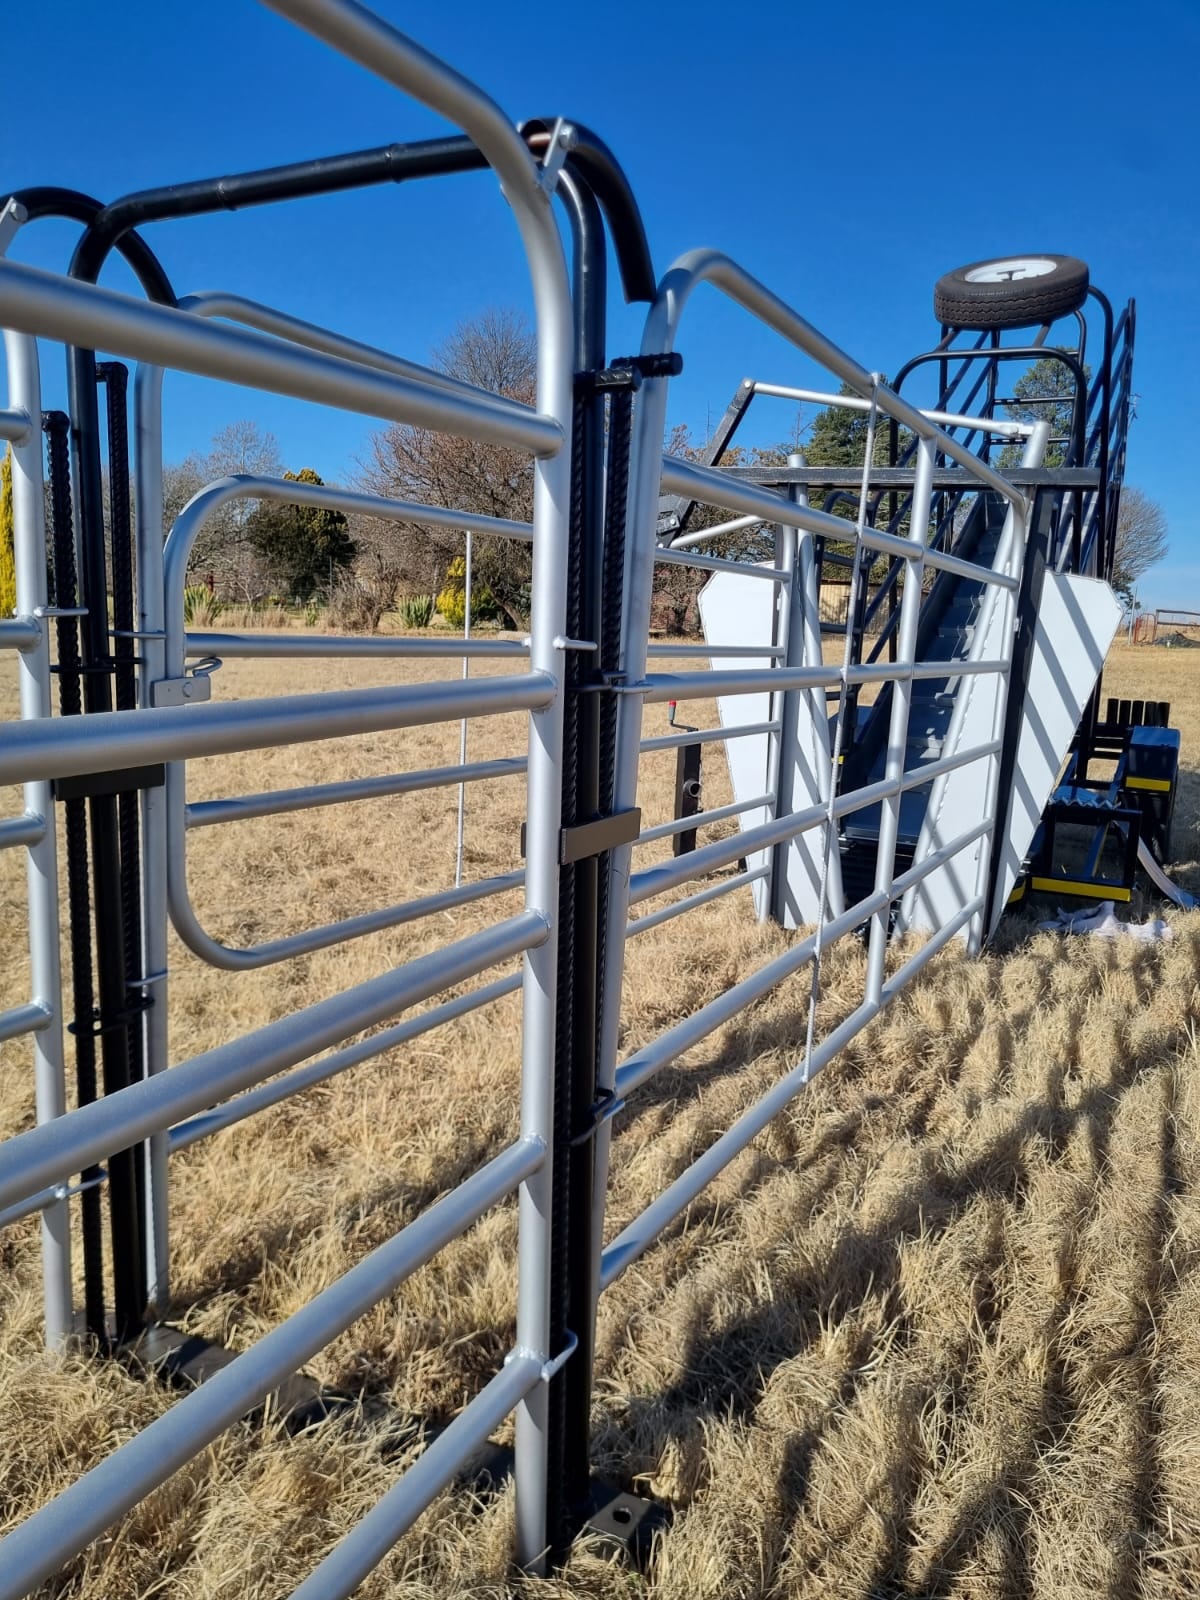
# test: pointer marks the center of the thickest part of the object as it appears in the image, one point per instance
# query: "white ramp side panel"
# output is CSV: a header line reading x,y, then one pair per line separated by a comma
x,y
1076,623
741,610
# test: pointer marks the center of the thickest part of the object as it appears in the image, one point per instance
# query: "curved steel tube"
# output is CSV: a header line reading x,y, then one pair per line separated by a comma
x,y
713,266
382,50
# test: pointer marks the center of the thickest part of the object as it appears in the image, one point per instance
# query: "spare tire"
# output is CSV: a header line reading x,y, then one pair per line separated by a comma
x,y
1010,292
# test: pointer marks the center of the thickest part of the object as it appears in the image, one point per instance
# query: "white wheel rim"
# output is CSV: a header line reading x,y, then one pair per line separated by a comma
x,y
1015,270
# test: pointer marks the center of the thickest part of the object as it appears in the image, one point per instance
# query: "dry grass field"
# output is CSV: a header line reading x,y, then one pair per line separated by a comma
x,y
935,1334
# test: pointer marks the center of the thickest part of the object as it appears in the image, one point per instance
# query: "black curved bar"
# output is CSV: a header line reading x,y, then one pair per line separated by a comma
x,y
591,160
46,200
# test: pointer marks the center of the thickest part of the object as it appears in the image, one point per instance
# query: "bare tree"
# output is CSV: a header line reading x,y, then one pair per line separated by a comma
x,y
497,352
223,550
1141,541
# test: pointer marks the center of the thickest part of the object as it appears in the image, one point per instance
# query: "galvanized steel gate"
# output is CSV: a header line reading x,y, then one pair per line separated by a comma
x,y
584,676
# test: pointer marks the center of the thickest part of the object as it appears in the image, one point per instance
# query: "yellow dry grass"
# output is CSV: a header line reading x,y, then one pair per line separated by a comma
x,y
932,1335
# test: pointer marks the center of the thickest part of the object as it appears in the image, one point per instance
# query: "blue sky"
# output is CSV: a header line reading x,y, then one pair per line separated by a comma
x,y
847,154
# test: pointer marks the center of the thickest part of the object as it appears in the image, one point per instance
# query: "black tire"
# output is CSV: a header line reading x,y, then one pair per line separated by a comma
x,y
965,298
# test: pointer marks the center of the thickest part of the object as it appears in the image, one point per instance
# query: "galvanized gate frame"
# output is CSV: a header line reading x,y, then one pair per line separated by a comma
x,y
569,1093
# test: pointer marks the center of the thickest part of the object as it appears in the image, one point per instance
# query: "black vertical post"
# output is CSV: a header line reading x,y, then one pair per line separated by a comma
x,y
112,1021
573,1271
115,378
79,910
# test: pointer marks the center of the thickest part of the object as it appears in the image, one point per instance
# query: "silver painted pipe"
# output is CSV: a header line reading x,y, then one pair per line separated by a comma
x,y
366,1545
267,319
672,557
701,819
654,919
714,652
15,425
1014,544
22,830
735,525
83,314
673,741
114,739
320,1071
849,402
233,958
33,671
264,646
241,808
190,522
49,1154
712,266
38,1548
20,633
906,651
640,1067
148,534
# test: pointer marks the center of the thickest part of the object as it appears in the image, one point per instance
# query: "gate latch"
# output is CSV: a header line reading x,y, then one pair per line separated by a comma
x,y
194,687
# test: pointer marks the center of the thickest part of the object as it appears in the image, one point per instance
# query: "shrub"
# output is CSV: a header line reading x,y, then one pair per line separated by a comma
x,y
452,602
416,610
358,599
201,608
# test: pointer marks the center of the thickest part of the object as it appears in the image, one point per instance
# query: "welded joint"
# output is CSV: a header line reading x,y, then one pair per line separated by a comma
x,y
18,424
24,632
549,1368
13,216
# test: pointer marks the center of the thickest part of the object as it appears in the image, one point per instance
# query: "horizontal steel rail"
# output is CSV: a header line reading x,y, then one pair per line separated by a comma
x,y
650,1059
330,1066
275,646
664,875
15,425
111,740
248,958
84,315
716,652
40,1546
702,819
660,687
274,802
23,830
1004,427
20,633
671,556
20,1020
640,1234
49,1154
344,1569
716,891
673,741
218,303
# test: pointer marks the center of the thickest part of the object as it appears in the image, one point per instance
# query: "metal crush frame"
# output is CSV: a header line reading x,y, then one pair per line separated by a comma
x,y
595,436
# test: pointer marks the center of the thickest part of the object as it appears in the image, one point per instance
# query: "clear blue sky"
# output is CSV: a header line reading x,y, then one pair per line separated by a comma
x,y
847,153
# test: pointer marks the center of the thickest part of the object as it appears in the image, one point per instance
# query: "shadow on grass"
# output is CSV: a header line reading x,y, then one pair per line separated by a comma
x,y
725,1374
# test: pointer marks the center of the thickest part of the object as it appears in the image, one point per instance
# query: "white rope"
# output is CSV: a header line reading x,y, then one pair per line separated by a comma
x,y
856,579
